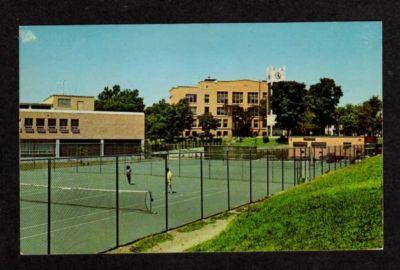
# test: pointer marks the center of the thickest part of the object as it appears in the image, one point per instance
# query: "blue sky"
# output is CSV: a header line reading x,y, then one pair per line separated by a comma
x,y
154,58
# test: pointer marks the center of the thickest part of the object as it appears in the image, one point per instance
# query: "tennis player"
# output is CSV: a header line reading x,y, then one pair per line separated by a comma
x,y
128,174
169,180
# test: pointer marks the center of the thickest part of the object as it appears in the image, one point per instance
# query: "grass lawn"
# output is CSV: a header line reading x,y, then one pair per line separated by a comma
x,y
258,141
340,210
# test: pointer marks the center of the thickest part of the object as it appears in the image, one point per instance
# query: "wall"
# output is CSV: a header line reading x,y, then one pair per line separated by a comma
x,y
92,124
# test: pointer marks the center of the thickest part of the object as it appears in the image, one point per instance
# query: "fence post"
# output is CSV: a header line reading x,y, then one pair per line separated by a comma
x,y
334,149
227,178
313,162
345,157
201,185
179,159
49,206
117,201
322,160
282,175
251,180
329,163
340,155
267,172
166,191
294,167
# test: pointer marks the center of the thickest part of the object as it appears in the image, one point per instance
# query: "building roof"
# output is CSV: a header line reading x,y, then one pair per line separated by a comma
x,y
61,95
81,112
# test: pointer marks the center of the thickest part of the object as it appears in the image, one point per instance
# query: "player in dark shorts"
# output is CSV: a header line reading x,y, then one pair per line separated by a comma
x,y
129,175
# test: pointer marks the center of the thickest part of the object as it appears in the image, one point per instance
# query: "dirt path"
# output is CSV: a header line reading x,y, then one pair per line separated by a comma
x,y
185,240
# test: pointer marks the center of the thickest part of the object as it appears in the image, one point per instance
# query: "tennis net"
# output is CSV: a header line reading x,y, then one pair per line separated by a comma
x,y
140,200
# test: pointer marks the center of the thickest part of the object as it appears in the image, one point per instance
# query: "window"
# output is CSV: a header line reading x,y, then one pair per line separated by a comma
x,y
219,124
74,122
264,123
218,133
255,123
225,123
194,123
300,144
346,145
64,102
28,122
225,133
191,98
237,97
64,125
75,125
206,109
252,97
318,144
222,97
40,122
221,111
206,98
187,133
51,122
193,109
63,122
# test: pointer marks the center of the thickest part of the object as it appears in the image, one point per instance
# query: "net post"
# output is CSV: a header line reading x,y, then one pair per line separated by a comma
x,y
49,206
251,180
166,191
227,178
283,171
267,172
117,201
201,186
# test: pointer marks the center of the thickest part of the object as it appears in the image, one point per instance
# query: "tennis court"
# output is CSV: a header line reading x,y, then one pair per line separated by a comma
x,y
83,216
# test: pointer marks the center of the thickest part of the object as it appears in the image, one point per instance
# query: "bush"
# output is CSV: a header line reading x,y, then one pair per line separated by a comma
x,y
282,139
265,139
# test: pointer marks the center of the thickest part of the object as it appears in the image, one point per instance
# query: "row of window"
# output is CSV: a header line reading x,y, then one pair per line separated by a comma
x,y
194,133
40,124
223,123
222,97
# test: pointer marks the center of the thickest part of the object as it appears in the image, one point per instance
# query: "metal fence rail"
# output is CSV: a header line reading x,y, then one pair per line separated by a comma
x,y
86,205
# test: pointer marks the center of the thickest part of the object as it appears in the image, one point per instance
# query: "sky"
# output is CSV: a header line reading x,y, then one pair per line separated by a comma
x,y
82,60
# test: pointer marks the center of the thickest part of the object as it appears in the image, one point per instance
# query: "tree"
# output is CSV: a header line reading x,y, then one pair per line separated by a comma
x,y
113,99
322,98
288,102
346,119
207,123
165,121
370,116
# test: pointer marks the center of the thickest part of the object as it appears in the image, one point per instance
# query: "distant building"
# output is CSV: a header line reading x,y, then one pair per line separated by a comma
x,y
61,123
211,95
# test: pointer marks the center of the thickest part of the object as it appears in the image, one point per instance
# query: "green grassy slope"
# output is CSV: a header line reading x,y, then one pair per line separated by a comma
x,y
339,210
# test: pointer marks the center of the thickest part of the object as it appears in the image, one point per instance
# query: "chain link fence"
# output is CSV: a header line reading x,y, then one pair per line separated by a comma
x,y
79,205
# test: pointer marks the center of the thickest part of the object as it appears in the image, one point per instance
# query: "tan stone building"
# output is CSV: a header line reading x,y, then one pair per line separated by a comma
x,y
61,122
210,95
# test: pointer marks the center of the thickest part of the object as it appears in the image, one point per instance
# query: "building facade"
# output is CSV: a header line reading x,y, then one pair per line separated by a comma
x,y
212,95
61,123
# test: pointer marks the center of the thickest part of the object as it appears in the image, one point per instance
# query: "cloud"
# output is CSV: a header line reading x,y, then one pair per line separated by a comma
x,y
27,36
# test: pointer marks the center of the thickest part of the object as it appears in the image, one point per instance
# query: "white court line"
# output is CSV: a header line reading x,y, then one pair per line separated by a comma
x,y
103,211
93,221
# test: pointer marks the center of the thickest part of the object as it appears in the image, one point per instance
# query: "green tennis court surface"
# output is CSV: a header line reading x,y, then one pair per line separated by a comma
x,y
83,197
